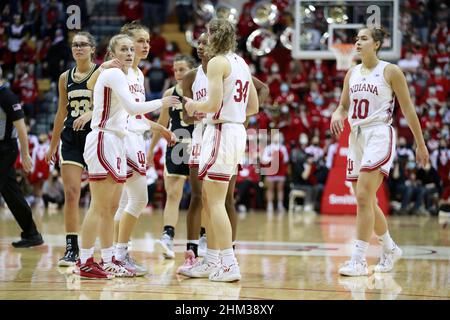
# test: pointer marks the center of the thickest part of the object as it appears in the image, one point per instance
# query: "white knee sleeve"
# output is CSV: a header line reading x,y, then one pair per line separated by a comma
x,y
122,205
136,188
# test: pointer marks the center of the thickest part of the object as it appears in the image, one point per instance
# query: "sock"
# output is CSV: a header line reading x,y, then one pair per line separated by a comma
x,y
386,241
212,256
228,257
121,251
170,231
107,254
85,254
202,231
72,242
192,245
359,250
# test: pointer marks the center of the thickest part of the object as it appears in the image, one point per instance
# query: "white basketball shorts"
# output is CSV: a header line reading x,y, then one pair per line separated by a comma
x,y
104,153
370,148
196,143
223,148
135,152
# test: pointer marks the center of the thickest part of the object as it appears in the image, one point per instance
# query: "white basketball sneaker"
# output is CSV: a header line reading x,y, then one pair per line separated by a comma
x,y
200,270
353,268
202,246
388,259
226,273
165,246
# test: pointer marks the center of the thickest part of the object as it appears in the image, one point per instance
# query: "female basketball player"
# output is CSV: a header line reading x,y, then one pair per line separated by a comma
x,y
71,126
134,195
231,97
369,91
176,169
106,159
195,85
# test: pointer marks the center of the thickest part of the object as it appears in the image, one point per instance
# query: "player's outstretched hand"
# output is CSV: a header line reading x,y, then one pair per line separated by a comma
x,y
170,101
189,105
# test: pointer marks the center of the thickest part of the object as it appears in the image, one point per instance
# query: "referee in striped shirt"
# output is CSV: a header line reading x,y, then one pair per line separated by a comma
x,y
12,126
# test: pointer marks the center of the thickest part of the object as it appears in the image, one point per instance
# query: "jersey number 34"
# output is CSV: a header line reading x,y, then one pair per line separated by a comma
x,y
241,91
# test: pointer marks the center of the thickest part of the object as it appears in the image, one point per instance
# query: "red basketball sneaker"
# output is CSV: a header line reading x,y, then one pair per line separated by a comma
x,y
91,270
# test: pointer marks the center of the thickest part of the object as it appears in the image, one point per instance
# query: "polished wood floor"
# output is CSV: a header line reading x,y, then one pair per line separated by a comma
x,y
281,256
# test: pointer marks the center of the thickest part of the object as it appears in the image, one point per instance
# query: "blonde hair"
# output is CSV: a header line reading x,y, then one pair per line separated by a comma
x,y
131,27
222,37
113,43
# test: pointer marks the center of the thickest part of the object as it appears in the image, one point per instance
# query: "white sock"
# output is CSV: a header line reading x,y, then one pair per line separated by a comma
x,y
107,254
359,250
121,251
193,241
86,254
212,256
386,241
228,257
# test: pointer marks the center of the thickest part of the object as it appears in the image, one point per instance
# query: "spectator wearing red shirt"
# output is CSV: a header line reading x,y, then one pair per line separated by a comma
x,y
247,187
157,43
442,56
275,158
297,77
301,122
441,84
25,85
131,9
287,96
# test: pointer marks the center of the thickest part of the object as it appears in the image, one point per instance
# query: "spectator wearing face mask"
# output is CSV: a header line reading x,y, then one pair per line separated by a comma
x,y
442,56
440,161
433,123
414,191
53,190
441,85
431,183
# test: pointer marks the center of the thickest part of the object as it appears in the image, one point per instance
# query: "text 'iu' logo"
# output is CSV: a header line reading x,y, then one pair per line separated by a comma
x,y
196,150
349,166
141,158
118,163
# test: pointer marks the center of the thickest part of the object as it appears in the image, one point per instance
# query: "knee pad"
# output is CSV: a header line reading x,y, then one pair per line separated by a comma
x,y
135,207
137,196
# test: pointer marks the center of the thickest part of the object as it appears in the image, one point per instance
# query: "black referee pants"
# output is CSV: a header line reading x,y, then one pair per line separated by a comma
x,y
10,190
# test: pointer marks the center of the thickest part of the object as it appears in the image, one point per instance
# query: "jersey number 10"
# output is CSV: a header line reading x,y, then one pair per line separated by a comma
x,y
241,91
360,109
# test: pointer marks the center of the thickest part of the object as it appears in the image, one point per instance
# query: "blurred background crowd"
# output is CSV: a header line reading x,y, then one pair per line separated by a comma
x,y
35,50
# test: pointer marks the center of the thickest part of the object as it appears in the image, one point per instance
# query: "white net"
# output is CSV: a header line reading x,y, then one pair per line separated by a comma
x,y
344,53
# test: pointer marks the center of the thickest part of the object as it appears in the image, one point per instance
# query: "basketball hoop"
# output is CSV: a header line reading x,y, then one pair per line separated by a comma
x,y
344,53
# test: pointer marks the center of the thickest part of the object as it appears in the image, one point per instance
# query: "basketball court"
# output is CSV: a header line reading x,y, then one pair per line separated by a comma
x,y
286,257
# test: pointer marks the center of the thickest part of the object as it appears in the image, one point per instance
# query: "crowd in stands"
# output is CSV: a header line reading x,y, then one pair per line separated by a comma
x,y
34,51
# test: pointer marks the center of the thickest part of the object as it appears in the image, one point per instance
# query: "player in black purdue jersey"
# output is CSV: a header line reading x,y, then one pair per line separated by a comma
x,y
71,125
176,169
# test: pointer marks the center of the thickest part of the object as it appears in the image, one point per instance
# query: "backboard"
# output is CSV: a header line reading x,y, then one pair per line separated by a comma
x,y
319,24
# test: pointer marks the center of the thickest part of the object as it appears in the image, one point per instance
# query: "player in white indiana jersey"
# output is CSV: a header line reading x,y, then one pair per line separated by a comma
x,y
195,85
231,98
105,156
134,195
367,101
